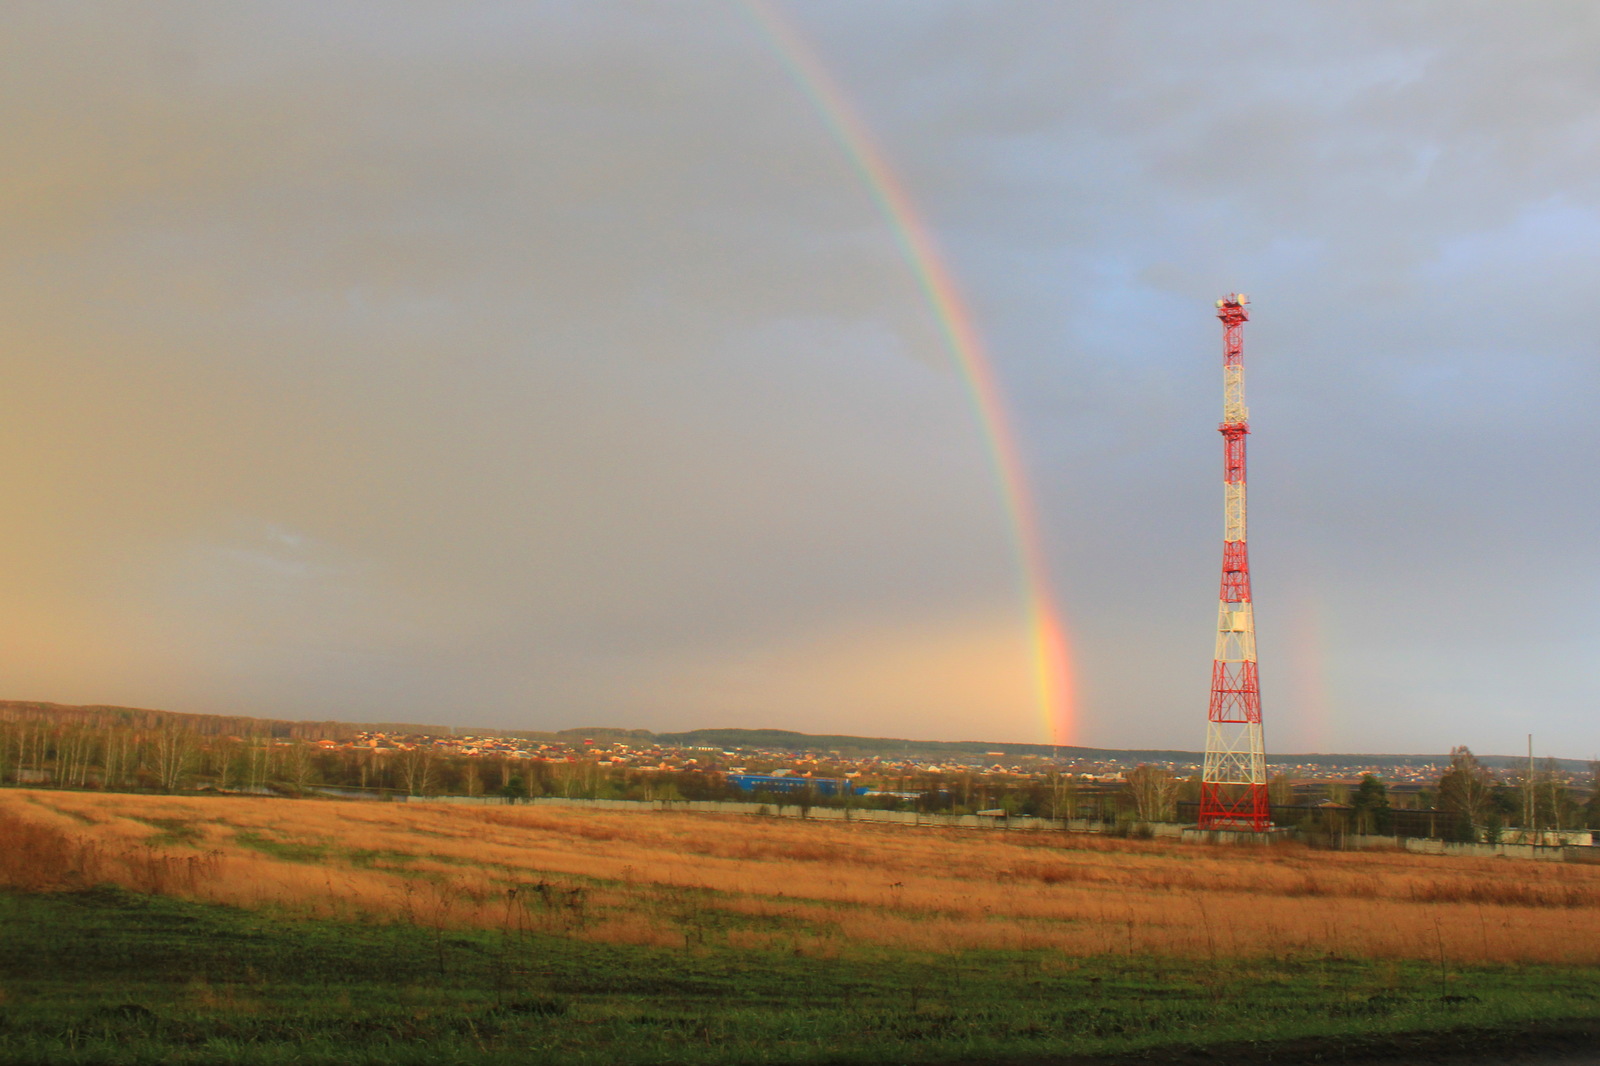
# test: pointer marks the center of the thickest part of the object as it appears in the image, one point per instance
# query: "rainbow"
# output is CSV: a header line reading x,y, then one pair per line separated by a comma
x,y
1051,665
1308,670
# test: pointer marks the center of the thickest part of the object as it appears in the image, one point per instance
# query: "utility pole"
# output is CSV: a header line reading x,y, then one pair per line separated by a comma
x,y
1530,807
1233,789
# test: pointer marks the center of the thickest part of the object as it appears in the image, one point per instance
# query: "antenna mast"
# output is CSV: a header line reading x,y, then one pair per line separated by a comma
x,y
1233,789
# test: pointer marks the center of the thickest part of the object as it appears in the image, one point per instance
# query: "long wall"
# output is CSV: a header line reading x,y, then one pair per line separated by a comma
x,y
1547,853
820,814
1427,846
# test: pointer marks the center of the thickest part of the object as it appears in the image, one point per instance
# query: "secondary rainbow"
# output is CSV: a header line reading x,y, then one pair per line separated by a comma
x,y
1052,667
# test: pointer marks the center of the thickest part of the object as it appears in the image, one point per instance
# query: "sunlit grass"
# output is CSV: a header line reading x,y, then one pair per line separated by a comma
x,y
820,889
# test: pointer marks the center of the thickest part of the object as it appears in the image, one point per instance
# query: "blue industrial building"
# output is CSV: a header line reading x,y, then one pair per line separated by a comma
x,y
822,786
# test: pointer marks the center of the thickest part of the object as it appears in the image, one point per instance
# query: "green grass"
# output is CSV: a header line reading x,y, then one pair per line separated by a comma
x,y
174,832
288,851
111,976
378,859
300,851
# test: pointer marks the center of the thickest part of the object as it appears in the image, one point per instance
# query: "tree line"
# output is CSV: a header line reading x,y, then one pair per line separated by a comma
x,y
123,749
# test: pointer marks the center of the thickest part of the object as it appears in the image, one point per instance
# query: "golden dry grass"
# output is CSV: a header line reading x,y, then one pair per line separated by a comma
x,y
811,887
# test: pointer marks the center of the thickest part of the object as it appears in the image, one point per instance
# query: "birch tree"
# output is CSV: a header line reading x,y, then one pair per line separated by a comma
x,y
173,751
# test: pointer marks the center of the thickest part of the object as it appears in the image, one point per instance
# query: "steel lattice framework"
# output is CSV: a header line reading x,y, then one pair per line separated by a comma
x,y
1233,790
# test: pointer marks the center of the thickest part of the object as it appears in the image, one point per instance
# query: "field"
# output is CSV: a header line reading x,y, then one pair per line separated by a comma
x,y
276,930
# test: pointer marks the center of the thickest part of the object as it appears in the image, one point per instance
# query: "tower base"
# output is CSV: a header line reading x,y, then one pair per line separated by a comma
x,y
1234,805
1274,835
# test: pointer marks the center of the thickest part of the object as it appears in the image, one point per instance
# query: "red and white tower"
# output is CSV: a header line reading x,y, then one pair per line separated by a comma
x,y
1233,790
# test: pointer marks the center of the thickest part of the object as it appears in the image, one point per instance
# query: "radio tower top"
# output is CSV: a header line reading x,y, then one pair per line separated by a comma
x,y
1235,424
1233,790
1230,309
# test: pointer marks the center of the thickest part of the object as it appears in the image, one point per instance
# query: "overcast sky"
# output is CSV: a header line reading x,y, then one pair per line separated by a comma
x,y
542,364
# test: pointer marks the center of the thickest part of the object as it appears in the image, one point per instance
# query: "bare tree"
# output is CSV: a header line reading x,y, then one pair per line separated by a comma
x,y
1465,788
258,762
298,768
173,755
1063,795
232,764
1591,807
30,747
1561,811
113,756
416,769
77,748
1154,791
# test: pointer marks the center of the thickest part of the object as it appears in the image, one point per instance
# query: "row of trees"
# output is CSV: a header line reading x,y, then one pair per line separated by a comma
x,y
170,757
96,718
1536,799
165,755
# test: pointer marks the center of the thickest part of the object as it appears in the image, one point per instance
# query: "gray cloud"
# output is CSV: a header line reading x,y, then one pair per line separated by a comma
x,y
537,364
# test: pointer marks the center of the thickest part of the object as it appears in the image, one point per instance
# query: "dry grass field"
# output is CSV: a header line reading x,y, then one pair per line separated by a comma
x,y
806,888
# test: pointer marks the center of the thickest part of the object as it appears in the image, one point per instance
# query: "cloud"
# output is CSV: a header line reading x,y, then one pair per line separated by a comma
x,y
583,374
551,347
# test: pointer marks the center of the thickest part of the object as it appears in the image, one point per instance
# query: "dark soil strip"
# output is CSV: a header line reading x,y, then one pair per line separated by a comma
x,y
1548,1044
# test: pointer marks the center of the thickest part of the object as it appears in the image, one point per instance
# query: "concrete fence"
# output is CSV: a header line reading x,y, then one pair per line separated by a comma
x,y
1544,852
1172,830
819,814
1429,846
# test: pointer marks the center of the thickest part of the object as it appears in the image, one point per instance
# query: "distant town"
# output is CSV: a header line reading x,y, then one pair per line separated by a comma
x,y
876,770
1457,795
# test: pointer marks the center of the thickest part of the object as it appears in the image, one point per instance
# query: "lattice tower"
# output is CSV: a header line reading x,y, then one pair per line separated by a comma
x,y
1233,790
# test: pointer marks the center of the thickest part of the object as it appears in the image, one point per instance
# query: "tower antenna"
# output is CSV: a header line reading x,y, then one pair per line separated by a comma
x,y
1233,789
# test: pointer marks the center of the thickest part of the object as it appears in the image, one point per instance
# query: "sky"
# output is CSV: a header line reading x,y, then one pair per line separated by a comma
x,y
542,364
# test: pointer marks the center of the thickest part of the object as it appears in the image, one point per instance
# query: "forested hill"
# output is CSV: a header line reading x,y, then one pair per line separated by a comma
x,y
104,717
786,740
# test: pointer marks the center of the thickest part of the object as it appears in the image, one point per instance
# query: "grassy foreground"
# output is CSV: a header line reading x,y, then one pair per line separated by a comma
x,y
139,928
782,886
108,975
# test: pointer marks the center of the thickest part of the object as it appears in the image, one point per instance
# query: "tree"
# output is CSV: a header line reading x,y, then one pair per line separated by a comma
x,y
1557,807
1063,795
1592,808
416,769
74,748
1466,787
1372,811
1154,792
258,762
173,751
1190,788
1503,811
298,767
